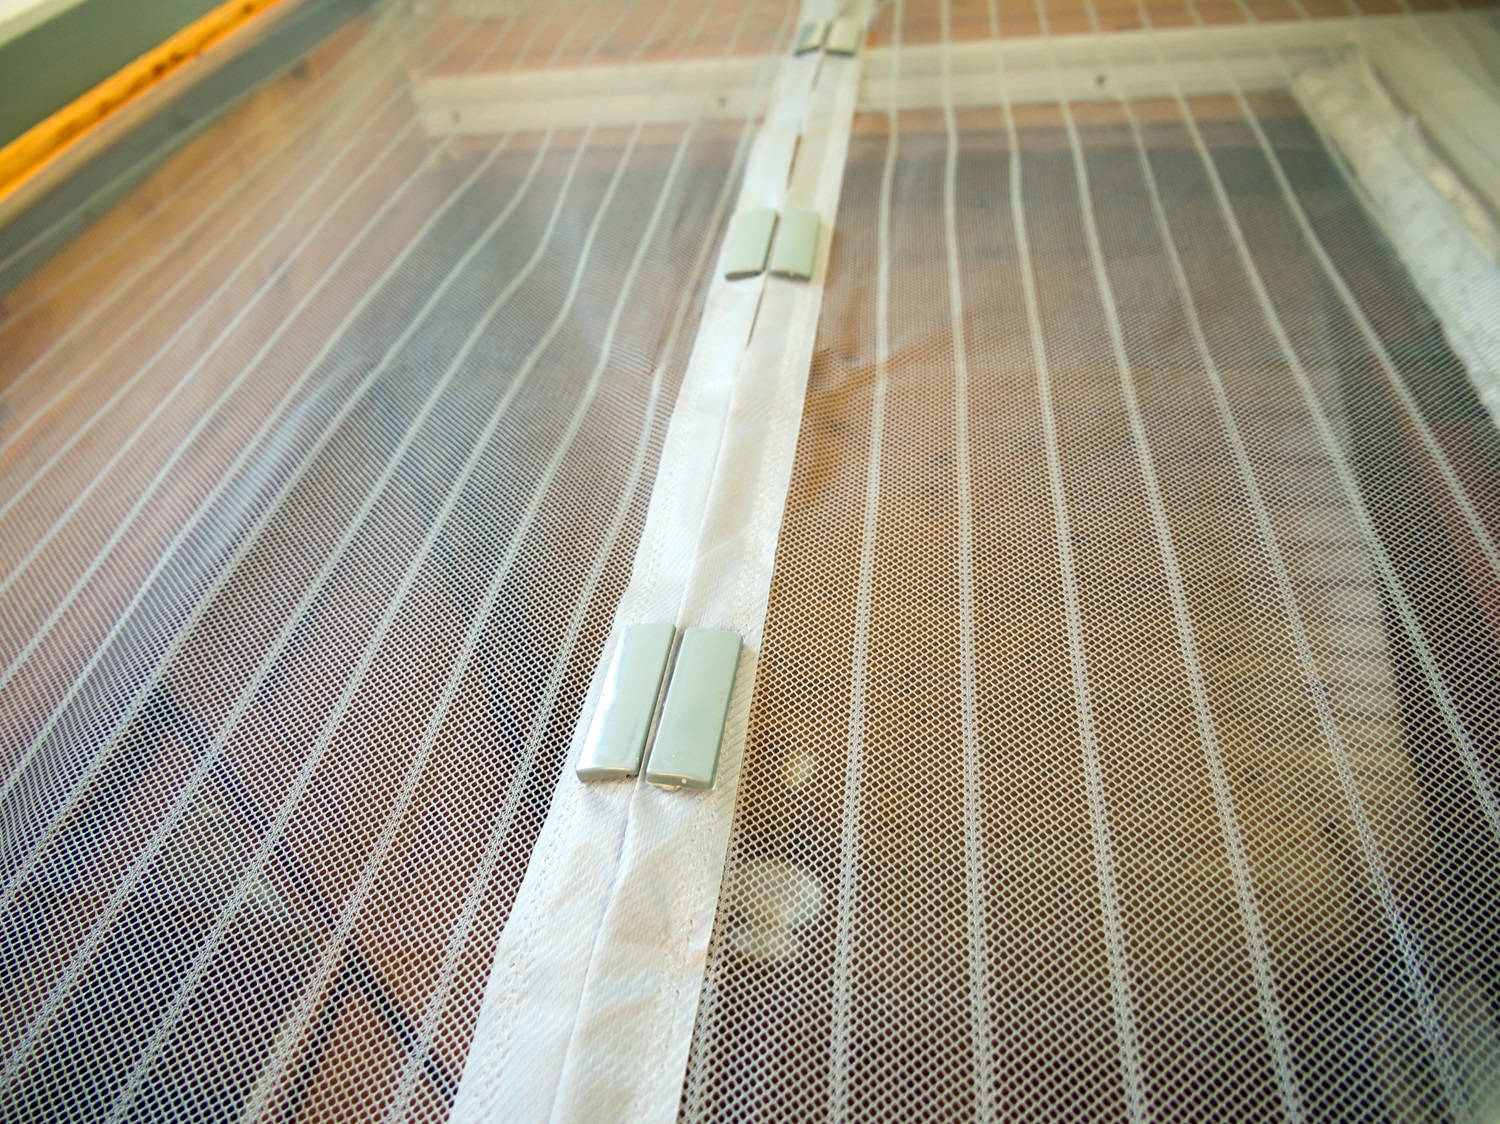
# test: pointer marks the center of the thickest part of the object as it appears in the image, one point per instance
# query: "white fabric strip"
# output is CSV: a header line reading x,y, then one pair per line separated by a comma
x,y
590,1006
1440,236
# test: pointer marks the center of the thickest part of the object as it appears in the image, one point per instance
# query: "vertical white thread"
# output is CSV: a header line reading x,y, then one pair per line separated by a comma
x,y
1131,1069
1267,993
977,924
844,926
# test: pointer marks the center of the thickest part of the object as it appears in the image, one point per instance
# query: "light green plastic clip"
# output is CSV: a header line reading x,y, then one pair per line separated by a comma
x,y
749,244
686,751
796,252
617,737
844,36
811,37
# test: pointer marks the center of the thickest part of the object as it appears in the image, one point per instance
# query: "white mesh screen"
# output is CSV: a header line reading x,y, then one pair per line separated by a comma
x,y
323,470
1124,732
1093,770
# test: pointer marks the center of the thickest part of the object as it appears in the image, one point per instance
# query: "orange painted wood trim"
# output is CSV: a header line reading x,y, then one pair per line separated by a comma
x,y
31,152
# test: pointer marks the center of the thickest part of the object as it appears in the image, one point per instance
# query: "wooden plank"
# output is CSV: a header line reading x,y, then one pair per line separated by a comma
x,y
1083,68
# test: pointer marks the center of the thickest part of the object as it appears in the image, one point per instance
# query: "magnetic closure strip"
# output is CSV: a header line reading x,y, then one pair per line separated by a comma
x,y
811,37
843,37
749,244
686,751
617,736
796,251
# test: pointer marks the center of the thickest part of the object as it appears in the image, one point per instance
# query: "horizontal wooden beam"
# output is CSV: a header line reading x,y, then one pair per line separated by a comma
x,y
652,93
1134,64
1083,67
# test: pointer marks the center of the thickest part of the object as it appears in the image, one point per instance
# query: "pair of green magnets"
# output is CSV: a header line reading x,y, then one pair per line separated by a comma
x,y
685,753
750,244
839,37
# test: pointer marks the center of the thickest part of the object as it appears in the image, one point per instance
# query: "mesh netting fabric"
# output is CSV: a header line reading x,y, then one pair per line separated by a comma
x,y
1093,769
1123,740
313,529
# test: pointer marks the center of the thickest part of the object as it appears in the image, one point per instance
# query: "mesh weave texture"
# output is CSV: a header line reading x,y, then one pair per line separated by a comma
x,y
1092,771
321,480
1125,729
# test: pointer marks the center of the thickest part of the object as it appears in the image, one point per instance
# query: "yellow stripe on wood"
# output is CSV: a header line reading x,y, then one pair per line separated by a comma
x,y
45,142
